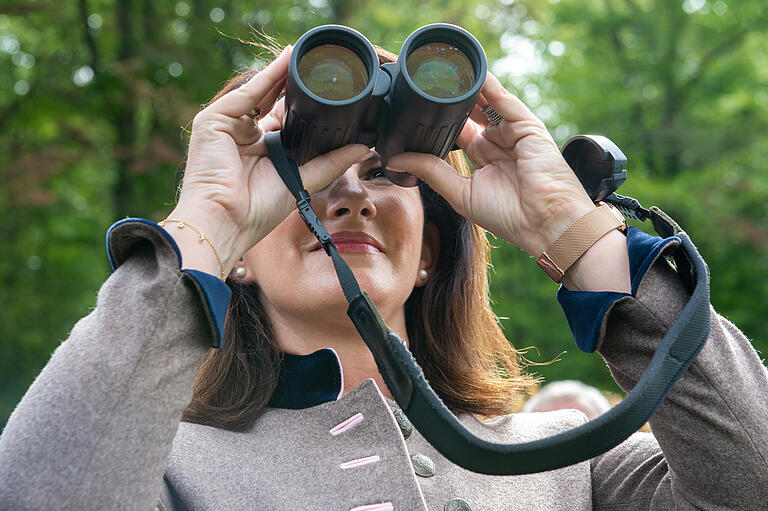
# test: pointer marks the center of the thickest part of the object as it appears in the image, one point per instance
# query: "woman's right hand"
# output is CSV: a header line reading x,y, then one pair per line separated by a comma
x,y
231,191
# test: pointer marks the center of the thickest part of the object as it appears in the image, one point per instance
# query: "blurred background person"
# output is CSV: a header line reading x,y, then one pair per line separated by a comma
x,y
574,394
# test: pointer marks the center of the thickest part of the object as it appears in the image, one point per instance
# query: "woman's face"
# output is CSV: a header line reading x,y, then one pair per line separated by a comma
x,y
379,230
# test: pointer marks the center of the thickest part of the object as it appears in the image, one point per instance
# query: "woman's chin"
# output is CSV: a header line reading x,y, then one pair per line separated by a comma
x,y
328,295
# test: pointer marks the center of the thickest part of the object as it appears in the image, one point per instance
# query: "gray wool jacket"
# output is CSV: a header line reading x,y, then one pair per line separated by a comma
x,y
100,426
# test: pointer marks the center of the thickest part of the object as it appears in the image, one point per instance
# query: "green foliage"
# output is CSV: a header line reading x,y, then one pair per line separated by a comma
x,y
672,84
96,98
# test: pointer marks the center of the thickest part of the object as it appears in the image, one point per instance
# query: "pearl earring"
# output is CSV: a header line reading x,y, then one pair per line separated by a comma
x,y
240,271
423,274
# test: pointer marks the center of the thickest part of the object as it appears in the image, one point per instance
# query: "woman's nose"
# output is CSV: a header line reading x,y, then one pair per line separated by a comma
x,y
349,196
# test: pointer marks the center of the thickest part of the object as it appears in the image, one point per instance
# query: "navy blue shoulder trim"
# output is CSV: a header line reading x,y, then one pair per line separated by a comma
x,y
585,310
123,235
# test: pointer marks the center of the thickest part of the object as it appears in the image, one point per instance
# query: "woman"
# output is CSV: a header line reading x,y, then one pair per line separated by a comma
x,y
291,412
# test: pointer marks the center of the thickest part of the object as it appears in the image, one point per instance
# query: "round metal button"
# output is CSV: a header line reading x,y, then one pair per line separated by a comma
x,y
422,465
405,425
457,505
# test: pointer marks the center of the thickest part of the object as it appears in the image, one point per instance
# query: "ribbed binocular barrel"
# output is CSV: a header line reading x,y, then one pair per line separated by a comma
x,y
337,93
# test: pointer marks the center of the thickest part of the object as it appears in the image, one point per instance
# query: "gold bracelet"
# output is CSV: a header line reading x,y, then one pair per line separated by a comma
x,y
181,224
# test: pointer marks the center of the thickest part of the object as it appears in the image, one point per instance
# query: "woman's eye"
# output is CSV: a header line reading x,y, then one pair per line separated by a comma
x,y
376,173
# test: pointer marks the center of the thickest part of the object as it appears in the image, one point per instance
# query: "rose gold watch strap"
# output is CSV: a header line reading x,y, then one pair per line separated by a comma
x,y
578,238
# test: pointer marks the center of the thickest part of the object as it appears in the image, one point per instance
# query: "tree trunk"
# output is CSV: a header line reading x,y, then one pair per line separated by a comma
x,y
123,113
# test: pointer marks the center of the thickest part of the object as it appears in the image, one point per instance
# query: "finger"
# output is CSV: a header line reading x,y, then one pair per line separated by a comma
x,y
478,116
274,119
438,174
268,103
518,120
479,147
241,100
483,151
477,113
244,131
469,132
468,139
504,102
321,171
507,135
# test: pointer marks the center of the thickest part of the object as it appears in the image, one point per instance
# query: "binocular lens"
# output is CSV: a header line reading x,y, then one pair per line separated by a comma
x,y
333,72
440,70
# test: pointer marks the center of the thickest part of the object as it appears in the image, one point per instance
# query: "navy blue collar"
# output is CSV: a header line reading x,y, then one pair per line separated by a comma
x,y
308,380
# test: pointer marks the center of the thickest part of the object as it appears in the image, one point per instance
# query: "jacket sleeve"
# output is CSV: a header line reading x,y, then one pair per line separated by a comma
x,y
709,447
95,428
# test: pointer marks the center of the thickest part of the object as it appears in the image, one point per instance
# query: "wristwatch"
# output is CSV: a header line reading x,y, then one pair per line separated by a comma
x,y
578,238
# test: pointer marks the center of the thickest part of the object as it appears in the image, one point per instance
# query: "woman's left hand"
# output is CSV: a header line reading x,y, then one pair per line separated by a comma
x,y
522,189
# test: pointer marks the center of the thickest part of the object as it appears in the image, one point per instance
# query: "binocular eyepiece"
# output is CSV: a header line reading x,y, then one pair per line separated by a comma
x,y
338,93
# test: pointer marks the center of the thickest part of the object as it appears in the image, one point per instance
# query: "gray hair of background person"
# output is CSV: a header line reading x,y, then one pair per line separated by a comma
x,y
568,394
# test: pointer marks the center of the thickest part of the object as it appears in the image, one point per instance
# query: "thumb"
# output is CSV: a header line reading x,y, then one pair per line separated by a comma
x,y
322,170
438,174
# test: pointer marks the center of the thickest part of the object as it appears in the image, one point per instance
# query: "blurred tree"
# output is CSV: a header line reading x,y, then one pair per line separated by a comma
x,y
663,74
96,98
680,87
95,102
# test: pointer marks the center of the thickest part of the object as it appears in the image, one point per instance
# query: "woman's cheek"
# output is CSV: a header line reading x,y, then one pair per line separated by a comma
x,y
405,215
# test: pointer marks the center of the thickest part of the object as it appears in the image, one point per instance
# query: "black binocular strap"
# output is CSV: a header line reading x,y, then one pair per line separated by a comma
x,y
441,428
289,172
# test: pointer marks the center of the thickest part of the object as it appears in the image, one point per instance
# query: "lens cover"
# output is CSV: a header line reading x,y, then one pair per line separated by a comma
x,y
597,162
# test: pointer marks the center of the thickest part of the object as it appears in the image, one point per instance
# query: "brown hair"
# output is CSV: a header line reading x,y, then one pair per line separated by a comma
x,y
452,331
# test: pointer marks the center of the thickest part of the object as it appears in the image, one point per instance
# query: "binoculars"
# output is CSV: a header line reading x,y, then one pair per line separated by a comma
x,y
337,92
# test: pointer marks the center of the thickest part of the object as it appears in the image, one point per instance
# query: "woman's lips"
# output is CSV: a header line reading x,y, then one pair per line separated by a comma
x,y
355,248
353,242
